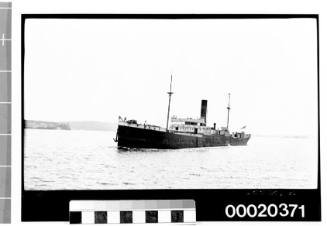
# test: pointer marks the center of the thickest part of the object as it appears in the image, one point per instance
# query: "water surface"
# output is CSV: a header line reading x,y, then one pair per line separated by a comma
x,y
72,159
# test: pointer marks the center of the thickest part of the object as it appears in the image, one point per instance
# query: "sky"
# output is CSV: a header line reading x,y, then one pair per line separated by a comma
x,y
97,70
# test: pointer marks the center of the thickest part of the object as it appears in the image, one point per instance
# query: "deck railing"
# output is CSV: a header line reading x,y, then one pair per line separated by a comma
x,y
143,126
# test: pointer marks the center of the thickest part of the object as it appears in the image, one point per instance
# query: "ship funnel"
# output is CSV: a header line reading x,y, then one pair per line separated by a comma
x,y
204,110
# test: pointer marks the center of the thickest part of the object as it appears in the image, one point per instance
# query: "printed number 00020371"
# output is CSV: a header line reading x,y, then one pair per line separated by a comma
x,y
262,210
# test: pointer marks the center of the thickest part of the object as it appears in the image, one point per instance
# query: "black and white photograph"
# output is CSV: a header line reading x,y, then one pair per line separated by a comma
x,y
126,104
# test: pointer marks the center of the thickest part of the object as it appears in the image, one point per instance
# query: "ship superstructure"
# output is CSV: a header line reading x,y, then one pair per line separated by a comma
x,y
182,132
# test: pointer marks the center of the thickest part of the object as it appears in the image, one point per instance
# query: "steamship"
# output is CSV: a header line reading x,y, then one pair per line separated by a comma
x,y
182,132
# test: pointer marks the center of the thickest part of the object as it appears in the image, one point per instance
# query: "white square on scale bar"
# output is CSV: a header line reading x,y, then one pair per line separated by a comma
x,y
113,217
164,216
88,217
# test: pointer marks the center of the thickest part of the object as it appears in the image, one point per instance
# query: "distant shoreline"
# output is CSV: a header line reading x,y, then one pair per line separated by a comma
x,y
108,126
71,125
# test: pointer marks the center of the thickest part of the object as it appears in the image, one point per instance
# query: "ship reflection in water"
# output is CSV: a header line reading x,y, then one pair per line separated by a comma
x,y
76,159
182,133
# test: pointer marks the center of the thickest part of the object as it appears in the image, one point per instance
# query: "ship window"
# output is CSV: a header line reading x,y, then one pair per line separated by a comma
x,y
191,123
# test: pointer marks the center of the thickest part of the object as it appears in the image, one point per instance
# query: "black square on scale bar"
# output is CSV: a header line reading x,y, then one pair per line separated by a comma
x,y
151,216
126,217
75,217
177,216
100,217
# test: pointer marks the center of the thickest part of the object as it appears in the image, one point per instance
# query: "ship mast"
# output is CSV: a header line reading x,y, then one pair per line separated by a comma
x,y
228,109
169,93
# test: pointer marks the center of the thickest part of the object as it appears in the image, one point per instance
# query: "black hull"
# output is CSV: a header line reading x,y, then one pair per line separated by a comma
x,y
136,137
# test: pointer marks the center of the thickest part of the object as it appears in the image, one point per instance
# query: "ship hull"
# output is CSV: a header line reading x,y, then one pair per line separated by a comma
x,y
136,137
239,141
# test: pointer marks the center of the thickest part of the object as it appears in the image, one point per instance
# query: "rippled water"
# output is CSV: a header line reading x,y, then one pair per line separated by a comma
x,y
59,159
